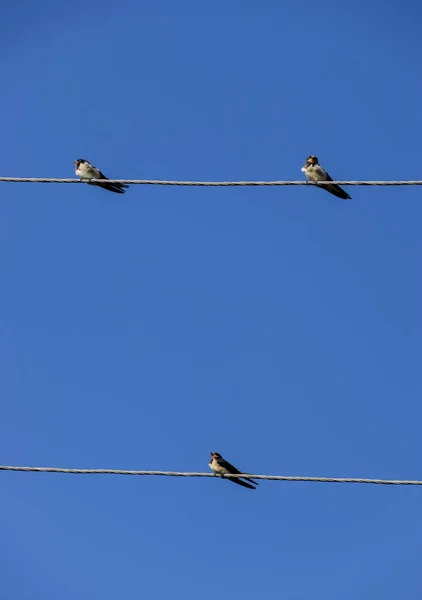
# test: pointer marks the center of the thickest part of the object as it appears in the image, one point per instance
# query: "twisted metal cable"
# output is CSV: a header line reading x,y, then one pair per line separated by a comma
x,y
204,183
183,474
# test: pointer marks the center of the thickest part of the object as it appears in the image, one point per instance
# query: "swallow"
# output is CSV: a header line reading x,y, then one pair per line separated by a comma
x,y
223,468
314,172
85,170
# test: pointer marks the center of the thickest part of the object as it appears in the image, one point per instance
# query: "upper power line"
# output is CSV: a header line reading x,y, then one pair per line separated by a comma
x,y
206,183
184,474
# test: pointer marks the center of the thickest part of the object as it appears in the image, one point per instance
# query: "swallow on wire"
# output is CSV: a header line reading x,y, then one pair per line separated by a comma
x,y
223,468
86,171
315,173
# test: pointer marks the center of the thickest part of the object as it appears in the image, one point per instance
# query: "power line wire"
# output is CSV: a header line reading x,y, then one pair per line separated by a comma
x,y
182,474
206,183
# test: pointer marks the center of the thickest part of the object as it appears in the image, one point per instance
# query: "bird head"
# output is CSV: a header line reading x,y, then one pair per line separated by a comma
x,y
215,455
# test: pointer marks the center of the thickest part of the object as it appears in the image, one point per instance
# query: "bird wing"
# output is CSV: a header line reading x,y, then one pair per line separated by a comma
x,y
118,188
232,469
242,483
338,191
335,189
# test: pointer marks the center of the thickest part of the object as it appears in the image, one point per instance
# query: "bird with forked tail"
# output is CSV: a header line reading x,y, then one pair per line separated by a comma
x,y
86,171
315,173
224,469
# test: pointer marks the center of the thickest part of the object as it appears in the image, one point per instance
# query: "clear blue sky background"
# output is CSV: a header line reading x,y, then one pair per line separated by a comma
x,y
278,326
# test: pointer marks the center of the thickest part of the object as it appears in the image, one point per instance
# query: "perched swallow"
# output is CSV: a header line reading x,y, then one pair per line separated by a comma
x,y
222,467
85,170
314,172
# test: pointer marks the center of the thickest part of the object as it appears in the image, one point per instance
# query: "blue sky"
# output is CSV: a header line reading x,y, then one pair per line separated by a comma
x,y
278,326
